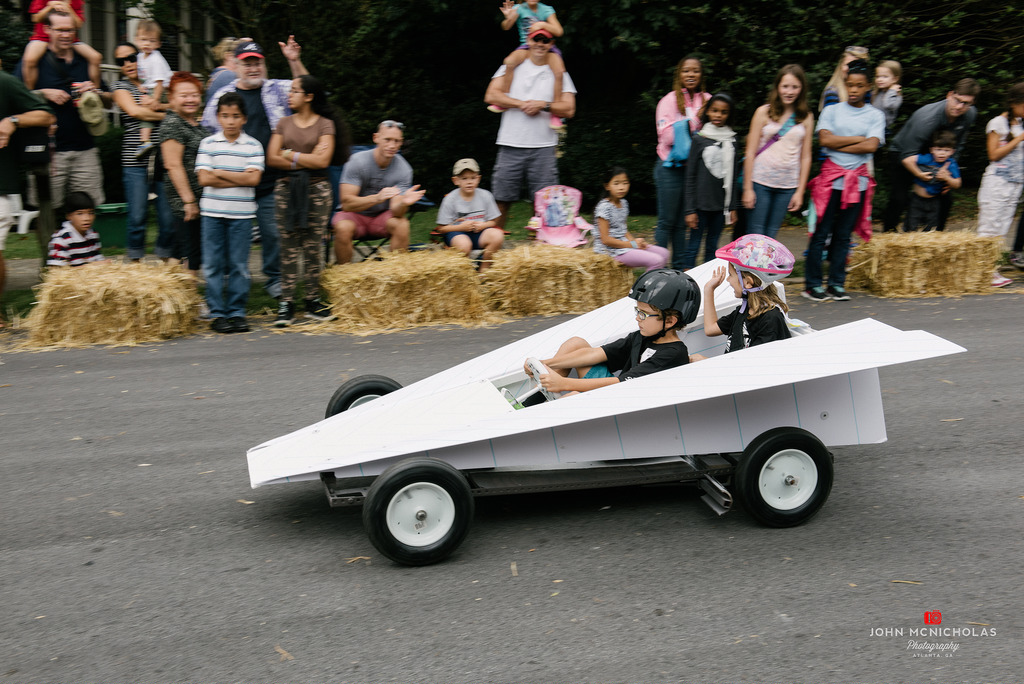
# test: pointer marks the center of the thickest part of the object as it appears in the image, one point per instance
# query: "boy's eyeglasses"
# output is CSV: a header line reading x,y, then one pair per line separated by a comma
x,y
120,61
643,315
541,39
391,123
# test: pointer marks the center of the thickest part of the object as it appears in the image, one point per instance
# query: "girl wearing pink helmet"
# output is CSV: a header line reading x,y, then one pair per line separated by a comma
x,y
755,263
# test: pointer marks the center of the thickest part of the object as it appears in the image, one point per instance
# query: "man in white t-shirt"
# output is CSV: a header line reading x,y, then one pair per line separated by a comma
x,y
526,141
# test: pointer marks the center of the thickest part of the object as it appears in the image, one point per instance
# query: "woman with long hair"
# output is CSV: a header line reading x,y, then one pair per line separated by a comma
x,y
835,89
778,156
677,118
303,145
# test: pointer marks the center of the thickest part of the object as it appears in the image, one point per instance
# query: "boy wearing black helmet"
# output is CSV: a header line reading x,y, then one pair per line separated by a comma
x,y
667,300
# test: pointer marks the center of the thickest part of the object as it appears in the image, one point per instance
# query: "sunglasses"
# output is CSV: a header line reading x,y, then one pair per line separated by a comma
x,y
544,40
120,61
391,123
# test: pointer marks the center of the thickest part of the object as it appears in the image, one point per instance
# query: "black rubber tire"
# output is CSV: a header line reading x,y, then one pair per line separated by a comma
x,y
748,475
359,388
414,471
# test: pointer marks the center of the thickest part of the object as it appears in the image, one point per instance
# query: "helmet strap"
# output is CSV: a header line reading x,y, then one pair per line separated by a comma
x,y
746,290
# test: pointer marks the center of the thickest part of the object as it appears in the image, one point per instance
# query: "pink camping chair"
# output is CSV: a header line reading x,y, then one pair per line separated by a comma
x,y
556,217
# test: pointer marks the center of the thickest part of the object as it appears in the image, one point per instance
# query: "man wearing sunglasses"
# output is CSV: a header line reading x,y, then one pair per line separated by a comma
x,y
956,113
526,142
266,102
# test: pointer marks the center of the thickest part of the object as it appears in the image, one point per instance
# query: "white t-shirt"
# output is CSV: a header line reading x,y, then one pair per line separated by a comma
x,y
530,82
152,69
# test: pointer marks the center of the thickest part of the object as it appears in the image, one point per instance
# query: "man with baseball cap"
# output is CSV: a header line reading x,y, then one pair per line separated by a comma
x,y
266,103
526,141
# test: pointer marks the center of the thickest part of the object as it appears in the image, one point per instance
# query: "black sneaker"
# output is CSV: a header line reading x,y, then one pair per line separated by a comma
x,y
238,324
816,294
285,315
318,311
221,325
838,293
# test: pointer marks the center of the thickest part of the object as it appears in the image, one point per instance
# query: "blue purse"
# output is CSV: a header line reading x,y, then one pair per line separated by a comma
x,y
680,151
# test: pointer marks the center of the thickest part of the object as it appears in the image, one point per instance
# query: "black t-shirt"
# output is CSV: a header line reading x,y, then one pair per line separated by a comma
x,y
258,126
72,133
635,355
746,332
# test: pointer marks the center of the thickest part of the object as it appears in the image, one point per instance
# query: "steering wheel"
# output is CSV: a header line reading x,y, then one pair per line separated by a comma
x,y
537,369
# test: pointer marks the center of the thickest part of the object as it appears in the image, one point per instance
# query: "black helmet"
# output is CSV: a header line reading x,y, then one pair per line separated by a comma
x,y
667,288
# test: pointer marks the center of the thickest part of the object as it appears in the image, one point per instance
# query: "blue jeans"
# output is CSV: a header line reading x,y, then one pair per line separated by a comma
x,y
671,184
770,209
837,223
709,226
136,193
226,264
270,241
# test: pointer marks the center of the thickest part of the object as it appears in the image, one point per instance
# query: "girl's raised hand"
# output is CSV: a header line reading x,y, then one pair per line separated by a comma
x,y
717,278
509,9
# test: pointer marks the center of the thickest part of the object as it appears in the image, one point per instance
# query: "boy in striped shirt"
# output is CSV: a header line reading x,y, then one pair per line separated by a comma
x,y
75,243
229,166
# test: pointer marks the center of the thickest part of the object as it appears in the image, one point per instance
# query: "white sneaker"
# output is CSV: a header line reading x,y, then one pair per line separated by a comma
x,y
1000,280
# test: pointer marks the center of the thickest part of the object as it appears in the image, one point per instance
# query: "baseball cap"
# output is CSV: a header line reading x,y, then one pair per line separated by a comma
x,y
90,110
540,32
465,165
248,49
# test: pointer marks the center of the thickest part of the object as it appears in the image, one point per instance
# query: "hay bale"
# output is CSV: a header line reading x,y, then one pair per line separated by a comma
x,y
933,264
545,280
112,303
405,290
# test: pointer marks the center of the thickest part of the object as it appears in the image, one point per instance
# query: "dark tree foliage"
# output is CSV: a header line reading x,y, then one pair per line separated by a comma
x,y
427,63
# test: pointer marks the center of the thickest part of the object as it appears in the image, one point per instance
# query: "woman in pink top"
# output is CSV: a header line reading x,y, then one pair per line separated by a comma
x,y
778,161
685,101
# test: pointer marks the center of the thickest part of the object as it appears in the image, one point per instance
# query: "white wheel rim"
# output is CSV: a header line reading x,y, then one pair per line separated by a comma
x,y
363,399
788,479
420,514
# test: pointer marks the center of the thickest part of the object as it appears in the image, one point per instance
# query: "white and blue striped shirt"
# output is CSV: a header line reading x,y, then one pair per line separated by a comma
x,y
218,153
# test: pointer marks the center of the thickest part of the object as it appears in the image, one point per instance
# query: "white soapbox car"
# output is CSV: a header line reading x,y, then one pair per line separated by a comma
x,y
755,425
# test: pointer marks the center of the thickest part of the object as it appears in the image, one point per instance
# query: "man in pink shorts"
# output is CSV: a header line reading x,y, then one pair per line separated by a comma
x,y
376,193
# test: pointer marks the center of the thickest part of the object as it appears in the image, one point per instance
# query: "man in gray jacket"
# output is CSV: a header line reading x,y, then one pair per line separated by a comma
x,y
956,113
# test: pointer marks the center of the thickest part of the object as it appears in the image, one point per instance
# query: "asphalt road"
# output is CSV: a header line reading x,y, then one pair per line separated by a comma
x,y
133,549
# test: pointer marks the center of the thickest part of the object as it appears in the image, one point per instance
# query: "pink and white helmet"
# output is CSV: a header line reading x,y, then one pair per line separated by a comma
x,y
761,255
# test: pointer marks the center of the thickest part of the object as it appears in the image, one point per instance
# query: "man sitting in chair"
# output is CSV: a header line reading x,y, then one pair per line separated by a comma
x,y
376,193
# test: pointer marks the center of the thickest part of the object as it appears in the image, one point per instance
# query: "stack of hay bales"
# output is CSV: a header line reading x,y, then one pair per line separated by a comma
x,y
933,264
545,280
405,290
112,303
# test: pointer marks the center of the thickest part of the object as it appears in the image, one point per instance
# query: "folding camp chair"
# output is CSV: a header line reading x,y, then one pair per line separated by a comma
x,y
556,217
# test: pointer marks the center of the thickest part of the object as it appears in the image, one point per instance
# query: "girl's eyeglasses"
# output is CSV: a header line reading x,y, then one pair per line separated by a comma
x,y
120,61
643,315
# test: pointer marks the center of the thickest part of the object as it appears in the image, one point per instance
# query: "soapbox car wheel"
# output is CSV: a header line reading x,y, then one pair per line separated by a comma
x,y
418,511
359,391
784,476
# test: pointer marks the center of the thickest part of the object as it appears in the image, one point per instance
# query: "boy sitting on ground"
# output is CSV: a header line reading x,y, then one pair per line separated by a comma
x,y
466,219
75,243
667,301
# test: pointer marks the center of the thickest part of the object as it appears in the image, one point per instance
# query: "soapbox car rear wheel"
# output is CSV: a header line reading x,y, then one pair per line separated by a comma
x,y
418,511
359,391
784,477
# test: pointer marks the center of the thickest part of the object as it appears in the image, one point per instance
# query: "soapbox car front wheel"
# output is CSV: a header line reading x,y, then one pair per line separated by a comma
x,y
418,511
784,477
359,391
